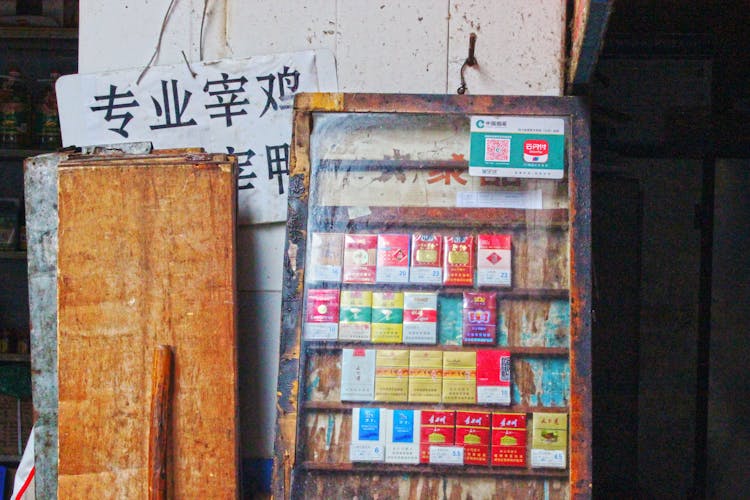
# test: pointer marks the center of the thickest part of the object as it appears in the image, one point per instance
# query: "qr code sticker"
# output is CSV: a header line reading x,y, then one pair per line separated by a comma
x,y
497,149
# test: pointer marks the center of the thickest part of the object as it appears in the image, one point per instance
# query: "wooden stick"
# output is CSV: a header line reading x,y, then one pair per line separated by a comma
x,y
161,387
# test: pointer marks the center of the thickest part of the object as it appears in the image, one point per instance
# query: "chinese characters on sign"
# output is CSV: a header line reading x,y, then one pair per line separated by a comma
x,y
241,107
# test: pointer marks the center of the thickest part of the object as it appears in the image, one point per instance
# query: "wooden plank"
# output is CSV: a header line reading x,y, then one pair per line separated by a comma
x,y
146,257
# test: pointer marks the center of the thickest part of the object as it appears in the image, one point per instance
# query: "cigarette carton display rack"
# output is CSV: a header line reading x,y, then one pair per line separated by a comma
x,y
436,323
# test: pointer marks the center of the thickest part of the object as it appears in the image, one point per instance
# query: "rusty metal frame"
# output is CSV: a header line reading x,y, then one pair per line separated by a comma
x,y
291,372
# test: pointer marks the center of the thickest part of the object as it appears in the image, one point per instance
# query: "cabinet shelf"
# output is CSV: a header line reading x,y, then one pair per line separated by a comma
x,y
14,357
502,293
38,32
12,254
20,154
537,351
338,406
335,218
427,469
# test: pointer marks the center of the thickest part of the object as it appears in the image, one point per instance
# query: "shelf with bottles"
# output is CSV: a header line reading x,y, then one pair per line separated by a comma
x,y
28,113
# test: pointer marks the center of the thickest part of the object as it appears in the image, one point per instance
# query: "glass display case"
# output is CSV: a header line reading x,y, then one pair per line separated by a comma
x,y
436,305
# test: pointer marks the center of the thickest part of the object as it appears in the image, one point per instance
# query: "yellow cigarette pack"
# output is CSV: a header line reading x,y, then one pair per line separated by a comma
x,y
460,377
391,375
425,376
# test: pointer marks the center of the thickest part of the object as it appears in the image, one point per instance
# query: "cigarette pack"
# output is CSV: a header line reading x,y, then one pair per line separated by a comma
x,y
493,260
437,428
450,314
549,441
357,375
360,262
480,318
420,318
473,433
493,377
402,436
368,435
459,377
326,256
425,376
392,375
393,258
322,315
426,259
355,315
387,317
509,439
458,260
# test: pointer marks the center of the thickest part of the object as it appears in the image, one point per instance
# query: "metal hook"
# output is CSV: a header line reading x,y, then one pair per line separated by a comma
x,y
470,61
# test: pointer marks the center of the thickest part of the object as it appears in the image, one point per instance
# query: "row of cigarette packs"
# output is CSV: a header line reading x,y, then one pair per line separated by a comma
x,y
394,317
420,376
458,438
426,258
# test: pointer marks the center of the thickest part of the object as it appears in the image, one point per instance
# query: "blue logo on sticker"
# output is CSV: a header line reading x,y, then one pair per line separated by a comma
x,y
369,424
480,123
403,426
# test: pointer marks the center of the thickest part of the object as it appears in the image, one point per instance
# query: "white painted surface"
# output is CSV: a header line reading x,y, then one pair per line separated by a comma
x,y
519,46
392,46
380,47
260,257
259,317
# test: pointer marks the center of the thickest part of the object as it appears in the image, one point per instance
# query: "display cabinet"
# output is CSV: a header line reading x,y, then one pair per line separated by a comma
x,y
435,334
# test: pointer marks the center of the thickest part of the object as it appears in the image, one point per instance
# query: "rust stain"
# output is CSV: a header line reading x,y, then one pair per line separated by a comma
x,y
523,377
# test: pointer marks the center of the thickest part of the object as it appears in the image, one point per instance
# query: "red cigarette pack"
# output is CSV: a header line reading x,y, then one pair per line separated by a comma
x,y
509,439
458,260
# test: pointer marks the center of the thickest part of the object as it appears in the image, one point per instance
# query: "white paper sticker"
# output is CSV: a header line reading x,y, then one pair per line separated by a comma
x,y
526,200
447,455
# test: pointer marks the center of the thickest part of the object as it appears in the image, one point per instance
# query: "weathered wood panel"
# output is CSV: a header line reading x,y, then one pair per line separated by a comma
x,y
429,487
146,257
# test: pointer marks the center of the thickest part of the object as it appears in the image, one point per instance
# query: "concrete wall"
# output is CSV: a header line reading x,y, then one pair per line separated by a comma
x,y
414,46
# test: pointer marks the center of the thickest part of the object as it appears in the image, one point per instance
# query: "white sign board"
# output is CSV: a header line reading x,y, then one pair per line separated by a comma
x,y
243,107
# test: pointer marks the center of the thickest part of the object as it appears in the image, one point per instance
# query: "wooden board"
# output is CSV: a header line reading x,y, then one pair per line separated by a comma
x,y
147,257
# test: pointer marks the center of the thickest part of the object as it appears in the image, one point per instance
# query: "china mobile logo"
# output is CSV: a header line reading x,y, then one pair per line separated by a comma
x,y
536,151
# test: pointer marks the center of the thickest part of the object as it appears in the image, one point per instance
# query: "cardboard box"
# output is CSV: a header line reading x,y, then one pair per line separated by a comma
x,y
420,318
473,433
322,315
493,377
426,259
437,428
480,318
387,317
360,252
460,377
493,260
368,435
355,316
357,375
402,436
508,439
393,258
458,260
326,256
425,376
549,442
391,375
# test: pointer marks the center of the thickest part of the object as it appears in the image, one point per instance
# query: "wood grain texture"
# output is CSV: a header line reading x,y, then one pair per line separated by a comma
x,y
158,442
146,257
